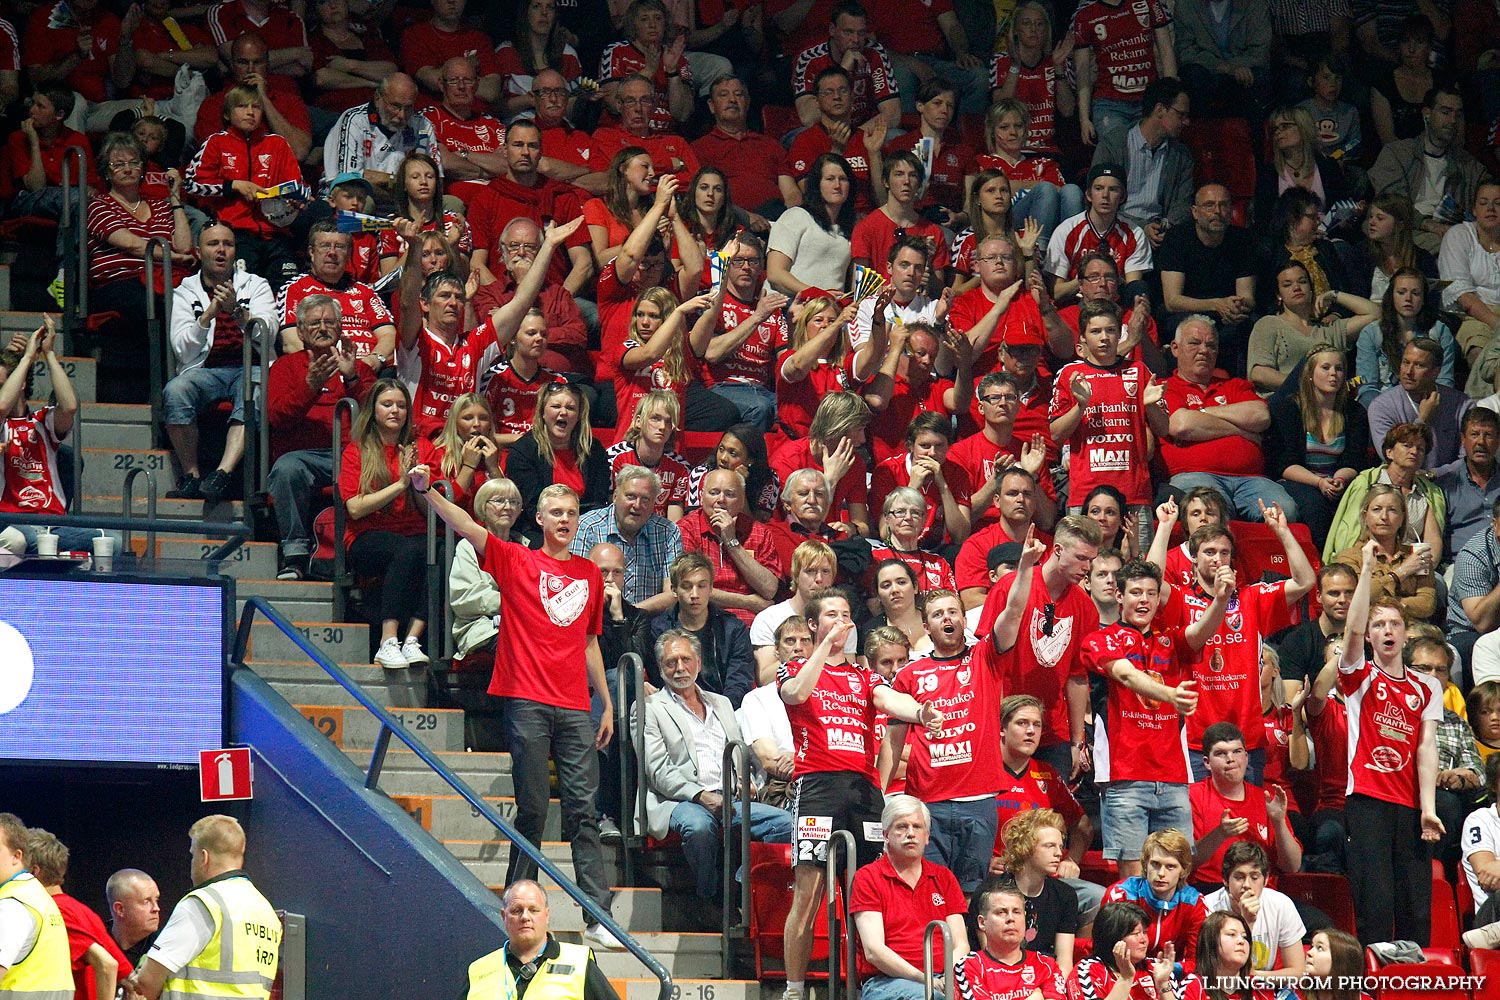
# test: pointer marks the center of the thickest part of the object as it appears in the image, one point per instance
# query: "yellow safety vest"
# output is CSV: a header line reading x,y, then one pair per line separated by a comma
x,y
241,959
559,978
45,972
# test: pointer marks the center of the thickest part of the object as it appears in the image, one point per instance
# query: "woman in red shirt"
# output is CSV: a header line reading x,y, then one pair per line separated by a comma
x,y
1040,191
988,211
387,527
1118,969
629,189
655,350
815,365
1224,957
419,197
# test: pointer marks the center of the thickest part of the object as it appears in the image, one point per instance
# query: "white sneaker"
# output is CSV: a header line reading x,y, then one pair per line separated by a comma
x,y
412,650
389,654
1487,936
598,936
791,994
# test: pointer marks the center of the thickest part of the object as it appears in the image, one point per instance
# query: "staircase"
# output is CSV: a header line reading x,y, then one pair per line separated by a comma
x,y
115,439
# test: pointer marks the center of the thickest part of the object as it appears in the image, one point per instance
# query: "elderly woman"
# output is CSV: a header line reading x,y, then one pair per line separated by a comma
x,y
472,593
646,50
902,523
1295,233
120,224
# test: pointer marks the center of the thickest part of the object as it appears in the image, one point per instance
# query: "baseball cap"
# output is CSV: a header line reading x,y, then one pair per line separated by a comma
x,y
353,177
1099,170
1005,552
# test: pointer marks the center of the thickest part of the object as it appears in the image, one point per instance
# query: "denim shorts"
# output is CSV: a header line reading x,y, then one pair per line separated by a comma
x,y
1129,810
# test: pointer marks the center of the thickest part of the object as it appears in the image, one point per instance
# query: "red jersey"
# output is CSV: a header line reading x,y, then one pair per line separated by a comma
x,y
399,517
1208,809
1278,769
1021,323
10,46
564,142
1385,716
1092,979
516,78
282,28
1025,170
673,470
875,234
1036,786
494,204
512,398
553,607
478,133
1076,236
362,310
751,362
622,59
1231,455
834,729
814,142
964,759
1048,649
664,147
931,570
47,45
797,402
1329,731
1228,668
977,455
152,36
442,372
887,429
390,244
908,909
32,482
1036,87
945,179
1175,920
631,383
1111,445
797,454
911,26
85,930
1143,739
981,976
424,45
372,47
895,472
1123,38
874,81
264,159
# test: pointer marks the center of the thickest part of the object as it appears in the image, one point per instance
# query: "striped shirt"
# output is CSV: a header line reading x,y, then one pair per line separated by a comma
x,y
1476,570
108,262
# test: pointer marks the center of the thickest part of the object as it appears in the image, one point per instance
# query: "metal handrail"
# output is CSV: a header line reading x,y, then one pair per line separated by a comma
x,y
736,771
635,818
437,575
253,466
76,285
626,671
389,727
237,533
941,928
340,557
157,340
838,907
127,502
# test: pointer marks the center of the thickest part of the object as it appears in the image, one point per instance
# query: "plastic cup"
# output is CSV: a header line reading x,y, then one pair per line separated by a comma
x,y
46,543
104,554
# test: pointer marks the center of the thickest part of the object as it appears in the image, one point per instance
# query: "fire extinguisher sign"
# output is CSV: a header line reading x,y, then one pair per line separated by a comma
x,y
224,775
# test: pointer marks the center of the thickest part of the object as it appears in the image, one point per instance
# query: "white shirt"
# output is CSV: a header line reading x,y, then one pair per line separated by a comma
x,y
1430,193
763,628
187,932
19,928
1481,833
762,716
1277,926
1468,266
920,309
708,742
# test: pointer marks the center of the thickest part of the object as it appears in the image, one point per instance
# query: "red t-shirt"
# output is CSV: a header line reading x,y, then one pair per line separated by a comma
x,y
424,45
1123,37
964,759
814,142
874,81
282,28
750,163
811,29
1111,445
512,398
834,729
875,234
398,517
977,455
1208,809
664,147
895,472
945,179
1036,87
971,568
797,454
1037,786
1329,730
569,144
493,205
981,976
48,46
552,608
1233,455
152,36
85,930
16,160
1228,668
907,909
911,26
373,49
444,372
1385,716
887,429
797,402
1021,323
673,470
362,310
1144,739
1044,658
751,362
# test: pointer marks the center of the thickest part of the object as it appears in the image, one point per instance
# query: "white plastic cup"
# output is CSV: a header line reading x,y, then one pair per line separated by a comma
x,y
104,554
46,543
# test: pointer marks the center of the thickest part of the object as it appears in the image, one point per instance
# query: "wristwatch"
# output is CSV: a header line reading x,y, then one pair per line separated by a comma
x,y
733,543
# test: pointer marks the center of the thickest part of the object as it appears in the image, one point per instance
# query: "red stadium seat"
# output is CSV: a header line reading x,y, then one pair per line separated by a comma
x,y
778,120
1224,154
1445,924
696,446
1485,963
1329,893
770,902
1430,956
1465,897
1096,869
1419,972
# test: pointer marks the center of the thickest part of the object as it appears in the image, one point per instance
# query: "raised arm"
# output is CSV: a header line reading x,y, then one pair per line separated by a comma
x,y
1008,623
1202,630
1358,615
1303,578
798,689
634,247
420,477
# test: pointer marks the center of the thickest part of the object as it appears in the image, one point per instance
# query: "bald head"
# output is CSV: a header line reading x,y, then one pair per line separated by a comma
x,y
248,57
459,78
549,90
134,906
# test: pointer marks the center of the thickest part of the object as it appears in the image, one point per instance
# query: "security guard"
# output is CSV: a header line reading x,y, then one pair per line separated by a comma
x,y
223,940
532,964
34,960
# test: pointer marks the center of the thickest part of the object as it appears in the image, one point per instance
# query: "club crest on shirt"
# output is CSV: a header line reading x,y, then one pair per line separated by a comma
x,y
1028,975
937,899
964,675
854,683
563,597
1414,702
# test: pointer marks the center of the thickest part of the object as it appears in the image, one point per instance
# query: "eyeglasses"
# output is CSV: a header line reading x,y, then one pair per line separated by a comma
x,y
552,92
1099,279
519,247
1000,399
995,258
743,262
125,165
503,502
1049,619
634,102
902,513
1283,126
461,81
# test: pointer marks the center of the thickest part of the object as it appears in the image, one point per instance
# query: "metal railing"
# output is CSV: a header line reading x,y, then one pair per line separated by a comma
x,y
838,907
340,517
238,533
390,727
630,682
75,201
439,612
941,928
255,466
127,503
735,777
157,336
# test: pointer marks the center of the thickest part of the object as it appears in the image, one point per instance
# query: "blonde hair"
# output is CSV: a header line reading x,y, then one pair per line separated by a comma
x,y
449,441
488,489
582,438
673,361
809,552
374,470
1302,119
1383,490
1022,832
221,836
666,399
837,415
811,311
1173,843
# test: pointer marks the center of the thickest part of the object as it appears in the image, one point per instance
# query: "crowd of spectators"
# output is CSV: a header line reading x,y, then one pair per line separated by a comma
x,y
1044,371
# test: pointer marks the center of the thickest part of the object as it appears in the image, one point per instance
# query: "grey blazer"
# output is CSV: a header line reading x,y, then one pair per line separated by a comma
x,y
671,764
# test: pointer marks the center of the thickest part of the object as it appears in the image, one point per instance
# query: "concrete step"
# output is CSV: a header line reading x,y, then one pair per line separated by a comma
x,y
307,683
133,437
116,413
473,852
284,590
185,510
404,774
300,611
24,322
340,642
450,817
349,728
686,956
636,910
697,989
104,469
255,560
80,371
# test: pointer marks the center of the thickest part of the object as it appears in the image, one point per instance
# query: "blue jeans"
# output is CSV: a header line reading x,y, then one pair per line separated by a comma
x,y
1109,115
1129,810
971,86
1243,493
963,835
702,831
879,987
1048,205
294,479
68,539
757,404
189,393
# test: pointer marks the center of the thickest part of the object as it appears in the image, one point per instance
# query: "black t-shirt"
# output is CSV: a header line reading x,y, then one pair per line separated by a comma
x,y
1302,652
1054,911
1208,272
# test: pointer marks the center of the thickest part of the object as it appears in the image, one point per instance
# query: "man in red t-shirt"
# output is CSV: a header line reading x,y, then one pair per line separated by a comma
x,y
747,566
1215,426
850,48
1140,753
1228,668
835,131
1002,310
471,140
670,152
98,962
1228,808
925,467
567,146
997,446
426,47
1044,653
905,387
748,159
250,66
567,334
877,234
742,348
955,772
73,44
547,659
283,29
832,703
1016,500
